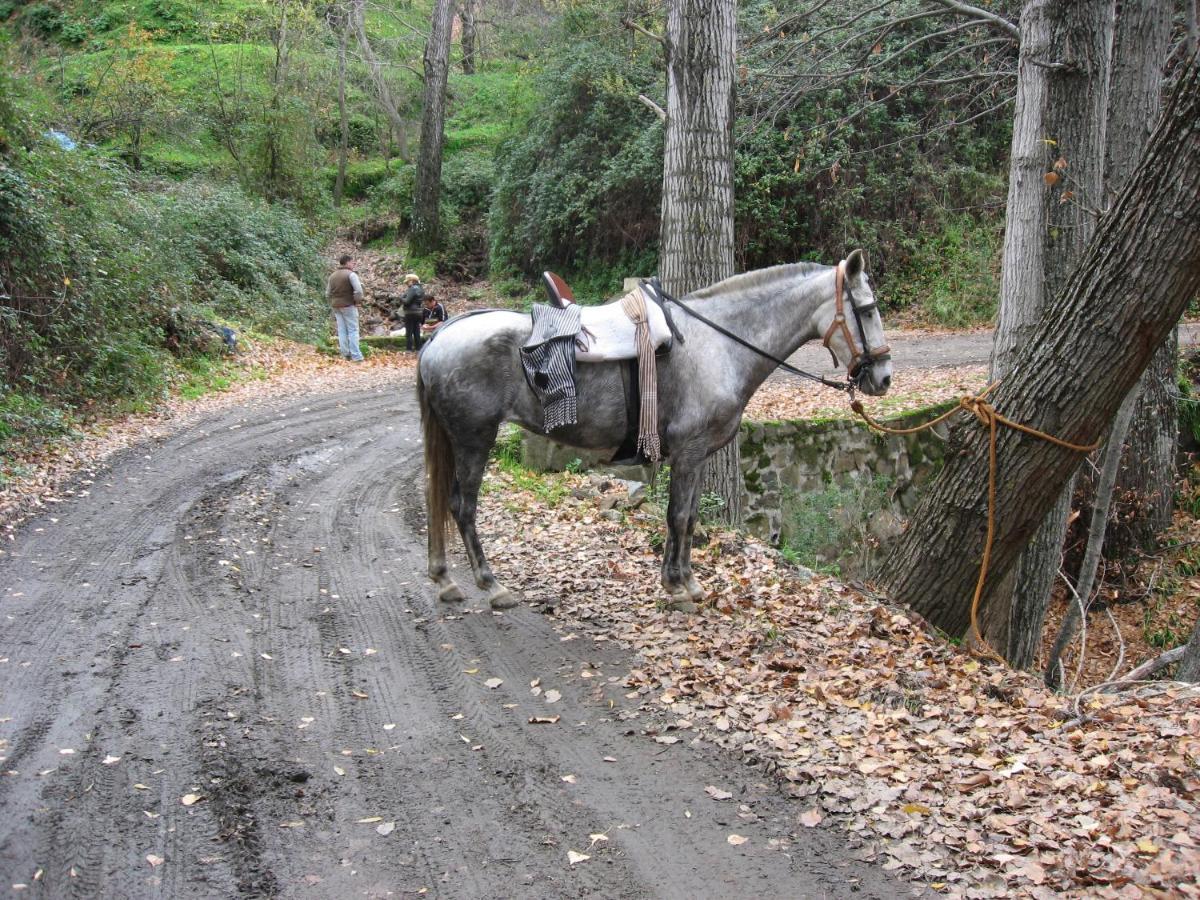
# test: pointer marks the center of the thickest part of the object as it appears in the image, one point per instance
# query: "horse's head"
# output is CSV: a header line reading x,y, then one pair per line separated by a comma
x,y
853,331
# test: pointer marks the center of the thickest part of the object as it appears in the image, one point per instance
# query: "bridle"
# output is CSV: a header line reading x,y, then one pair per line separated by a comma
x,y
859,362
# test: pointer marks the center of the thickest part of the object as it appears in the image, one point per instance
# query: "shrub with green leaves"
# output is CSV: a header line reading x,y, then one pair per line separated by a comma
x,y
99,268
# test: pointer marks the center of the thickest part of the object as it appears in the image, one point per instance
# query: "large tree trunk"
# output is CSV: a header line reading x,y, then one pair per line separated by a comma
x,y
1092,347
425,234
1055,187
1145,485
697,205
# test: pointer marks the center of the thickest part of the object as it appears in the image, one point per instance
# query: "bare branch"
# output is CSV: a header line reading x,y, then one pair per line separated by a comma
x,y
982,15
658,110
634,26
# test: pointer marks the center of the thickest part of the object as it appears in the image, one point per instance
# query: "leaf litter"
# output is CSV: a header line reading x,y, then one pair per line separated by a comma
x,y
963,775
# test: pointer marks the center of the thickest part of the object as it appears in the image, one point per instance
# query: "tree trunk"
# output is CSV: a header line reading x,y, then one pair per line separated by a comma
x,y
1111,455
1056,185
383,93
466,14
425,235
1145,486
1189,666
1092,348
697,205
343,120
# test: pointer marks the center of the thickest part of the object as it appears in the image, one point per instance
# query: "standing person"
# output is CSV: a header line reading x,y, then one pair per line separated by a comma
x,y
413,313
344,292
435,315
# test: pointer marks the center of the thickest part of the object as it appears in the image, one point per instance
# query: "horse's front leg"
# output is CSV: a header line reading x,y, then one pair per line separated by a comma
x,y
464,503
677,575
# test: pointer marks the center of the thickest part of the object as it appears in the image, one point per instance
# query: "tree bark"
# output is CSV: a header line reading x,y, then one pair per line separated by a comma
x,y
343,120
697,205
1092,347
466,14
1055,188
425,234
1145,487
1189,666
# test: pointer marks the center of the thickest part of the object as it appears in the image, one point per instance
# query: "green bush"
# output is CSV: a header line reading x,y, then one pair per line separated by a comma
x,y
580,186
100,272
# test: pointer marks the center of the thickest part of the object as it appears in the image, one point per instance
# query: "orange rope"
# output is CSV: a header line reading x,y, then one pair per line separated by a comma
x,y
987,416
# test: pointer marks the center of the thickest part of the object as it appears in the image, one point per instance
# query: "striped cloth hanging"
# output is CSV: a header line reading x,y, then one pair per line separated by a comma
x,y
549,360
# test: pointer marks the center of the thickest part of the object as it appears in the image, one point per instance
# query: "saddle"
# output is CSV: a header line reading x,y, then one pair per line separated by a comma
x,y
606,332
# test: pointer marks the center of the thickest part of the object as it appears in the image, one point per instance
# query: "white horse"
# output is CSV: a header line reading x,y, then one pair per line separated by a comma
x,y
470,380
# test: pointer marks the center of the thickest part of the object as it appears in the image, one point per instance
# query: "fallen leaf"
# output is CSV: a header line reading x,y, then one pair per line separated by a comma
x,y
494,683
189,799
737,840
154,860
369,819
569,779
339,770
360,695
811,818
110,760
543,720
573,856
552,696
717,794
386,828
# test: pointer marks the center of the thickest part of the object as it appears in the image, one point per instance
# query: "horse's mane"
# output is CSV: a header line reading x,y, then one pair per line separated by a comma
x,y
750,280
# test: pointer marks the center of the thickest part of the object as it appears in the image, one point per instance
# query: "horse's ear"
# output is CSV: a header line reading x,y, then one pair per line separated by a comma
x,y
856,264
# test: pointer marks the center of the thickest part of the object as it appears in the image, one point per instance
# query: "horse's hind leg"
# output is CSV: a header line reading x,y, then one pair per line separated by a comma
x,y
464,503
448,591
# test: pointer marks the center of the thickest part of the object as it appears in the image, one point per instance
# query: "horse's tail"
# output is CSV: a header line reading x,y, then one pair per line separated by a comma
x,y
439,464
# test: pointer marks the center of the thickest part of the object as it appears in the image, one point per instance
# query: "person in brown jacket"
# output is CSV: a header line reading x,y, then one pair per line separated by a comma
x,y
344,292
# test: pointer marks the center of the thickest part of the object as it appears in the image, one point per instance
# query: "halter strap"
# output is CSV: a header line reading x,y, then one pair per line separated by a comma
x,y
857,359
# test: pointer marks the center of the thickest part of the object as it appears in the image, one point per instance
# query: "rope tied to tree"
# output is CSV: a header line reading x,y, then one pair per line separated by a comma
x,y
989,417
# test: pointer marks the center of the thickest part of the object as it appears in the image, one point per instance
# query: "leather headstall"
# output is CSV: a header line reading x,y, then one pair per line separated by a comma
x,y
868,356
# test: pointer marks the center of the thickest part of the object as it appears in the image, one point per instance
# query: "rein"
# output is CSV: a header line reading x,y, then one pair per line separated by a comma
x,y
783,364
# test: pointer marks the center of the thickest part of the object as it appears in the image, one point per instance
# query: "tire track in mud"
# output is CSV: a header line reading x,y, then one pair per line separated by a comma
x,y
257,631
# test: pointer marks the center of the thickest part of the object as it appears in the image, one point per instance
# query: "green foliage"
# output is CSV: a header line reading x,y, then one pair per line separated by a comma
x,y
101,273
824,530
551,488
579,186
951,274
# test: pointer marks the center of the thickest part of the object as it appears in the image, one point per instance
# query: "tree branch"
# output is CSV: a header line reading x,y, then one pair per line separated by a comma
x,y
658,110
634,26
983,15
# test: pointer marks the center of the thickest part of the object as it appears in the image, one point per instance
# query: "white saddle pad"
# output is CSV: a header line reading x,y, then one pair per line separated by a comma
x,y
612,334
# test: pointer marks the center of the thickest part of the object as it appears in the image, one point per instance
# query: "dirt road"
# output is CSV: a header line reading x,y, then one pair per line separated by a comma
x,y
223,674
926,350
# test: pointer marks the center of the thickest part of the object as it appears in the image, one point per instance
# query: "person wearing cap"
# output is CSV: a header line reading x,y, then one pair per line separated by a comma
x,y
344,292
414,314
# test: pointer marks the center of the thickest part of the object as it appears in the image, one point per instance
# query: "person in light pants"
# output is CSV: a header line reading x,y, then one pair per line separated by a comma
x,y
344,292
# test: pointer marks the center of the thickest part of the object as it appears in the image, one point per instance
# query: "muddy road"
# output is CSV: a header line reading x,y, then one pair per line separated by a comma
x,y
222,673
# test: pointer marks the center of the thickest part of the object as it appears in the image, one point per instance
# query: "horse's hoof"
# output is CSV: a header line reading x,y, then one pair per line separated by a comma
x,y
502,599
451,593
694,591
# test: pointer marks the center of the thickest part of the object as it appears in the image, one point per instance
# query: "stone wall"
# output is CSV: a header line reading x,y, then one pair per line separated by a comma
x,y
781,460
